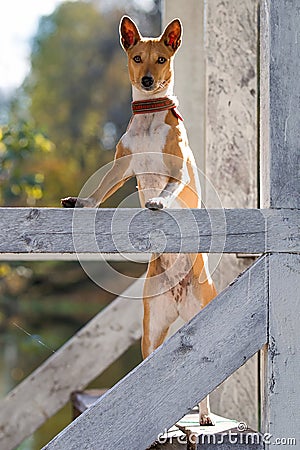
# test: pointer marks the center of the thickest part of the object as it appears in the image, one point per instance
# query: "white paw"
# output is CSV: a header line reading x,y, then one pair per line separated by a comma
x,y
156,203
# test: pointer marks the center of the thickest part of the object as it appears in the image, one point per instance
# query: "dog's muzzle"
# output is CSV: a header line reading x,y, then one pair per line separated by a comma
x,y
147,82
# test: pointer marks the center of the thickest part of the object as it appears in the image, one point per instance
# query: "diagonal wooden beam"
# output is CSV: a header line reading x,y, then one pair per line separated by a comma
x,y
86,355
190,364
25,231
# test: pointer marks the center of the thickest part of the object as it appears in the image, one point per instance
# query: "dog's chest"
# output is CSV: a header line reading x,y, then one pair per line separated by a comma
x,y
147,133
146,139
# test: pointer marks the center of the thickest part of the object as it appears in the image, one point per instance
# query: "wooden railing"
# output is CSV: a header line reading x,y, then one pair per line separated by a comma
x,y
211,347
88,232
191,363
260,307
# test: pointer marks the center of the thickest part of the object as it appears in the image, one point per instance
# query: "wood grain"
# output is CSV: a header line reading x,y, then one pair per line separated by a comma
x,y
231,132
92,231
280,99
86,355
280,176
231,157
282,365
188,366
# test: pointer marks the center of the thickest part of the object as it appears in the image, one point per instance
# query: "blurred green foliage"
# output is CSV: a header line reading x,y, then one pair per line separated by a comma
x,y
20,143
62,125
79,93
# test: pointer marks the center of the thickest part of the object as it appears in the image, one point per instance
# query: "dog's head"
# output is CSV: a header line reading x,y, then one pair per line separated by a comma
x,y
150,60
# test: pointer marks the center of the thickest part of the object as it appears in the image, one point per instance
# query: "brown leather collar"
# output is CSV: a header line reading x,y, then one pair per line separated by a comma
x,y
155,105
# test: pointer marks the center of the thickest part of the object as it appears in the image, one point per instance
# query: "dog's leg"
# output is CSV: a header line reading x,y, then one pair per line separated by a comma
x,y
179,178
166,197
199,293
159,314
160,310
204,408
111,182
204,413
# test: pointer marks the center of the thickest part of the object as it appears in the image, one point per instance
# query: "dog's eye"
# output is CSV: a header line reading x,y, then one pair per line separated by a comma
x,y
137,59
161,60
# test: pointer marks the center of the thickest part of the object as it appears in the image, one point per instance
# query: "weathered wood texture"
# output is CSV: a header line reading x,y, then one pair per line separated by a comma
x,y
187,432
231,157
230,443
234,439
188,366
190,83
227,445
280,156
216,86
238,395
136,257
51,230
225,434
72,367
282,394
280,100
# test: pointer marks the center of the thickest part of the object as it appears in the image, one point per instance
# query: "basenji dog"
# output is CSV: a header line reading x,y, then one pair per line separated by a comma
x,y
155,150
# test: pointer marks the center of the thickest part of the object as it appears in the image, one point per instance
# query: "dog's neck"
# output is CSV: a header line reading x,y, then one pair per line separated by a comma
x,y
138,95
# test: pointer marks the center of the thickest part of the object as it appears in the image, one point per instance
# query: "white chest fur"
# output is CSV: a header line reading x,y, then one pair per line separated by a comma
x,y
147,132
146,139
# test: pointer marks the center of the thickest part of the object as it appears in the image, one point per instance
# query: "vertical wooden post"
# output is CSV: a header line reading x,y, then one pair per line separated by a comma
x,y
280,179
215,81
190,85
282,391
280,100
231,158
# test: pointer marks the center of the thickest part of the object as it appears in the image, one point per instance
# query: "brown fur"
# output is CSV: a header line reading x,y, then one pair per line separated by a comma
x,y
175,285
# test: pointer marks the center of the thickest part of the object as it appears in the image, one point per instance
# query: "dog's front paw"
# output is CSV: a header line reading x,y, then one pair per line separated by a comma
x,y
74,202
206,420
156,203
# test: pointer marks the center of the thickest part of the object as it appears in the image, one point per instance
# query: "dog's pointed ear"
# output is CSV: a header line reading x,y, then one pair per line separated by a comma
x,y
171,37
129,33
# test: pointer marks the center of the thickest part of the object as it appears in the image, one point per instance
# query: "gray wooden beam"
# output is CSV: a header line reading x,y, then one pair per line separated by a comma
x,y
282,361
85,356
280,100
280,185
230,440
92,231
231,156
188,366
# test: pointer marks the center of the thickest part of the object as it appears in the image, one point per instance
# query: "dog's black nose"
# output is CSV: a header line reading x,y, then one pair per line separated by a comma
x,y
147,81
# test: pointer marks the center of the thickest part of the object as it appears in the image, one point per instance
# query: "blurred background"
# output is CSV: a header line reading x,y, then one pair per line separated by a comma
x,y
64,102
